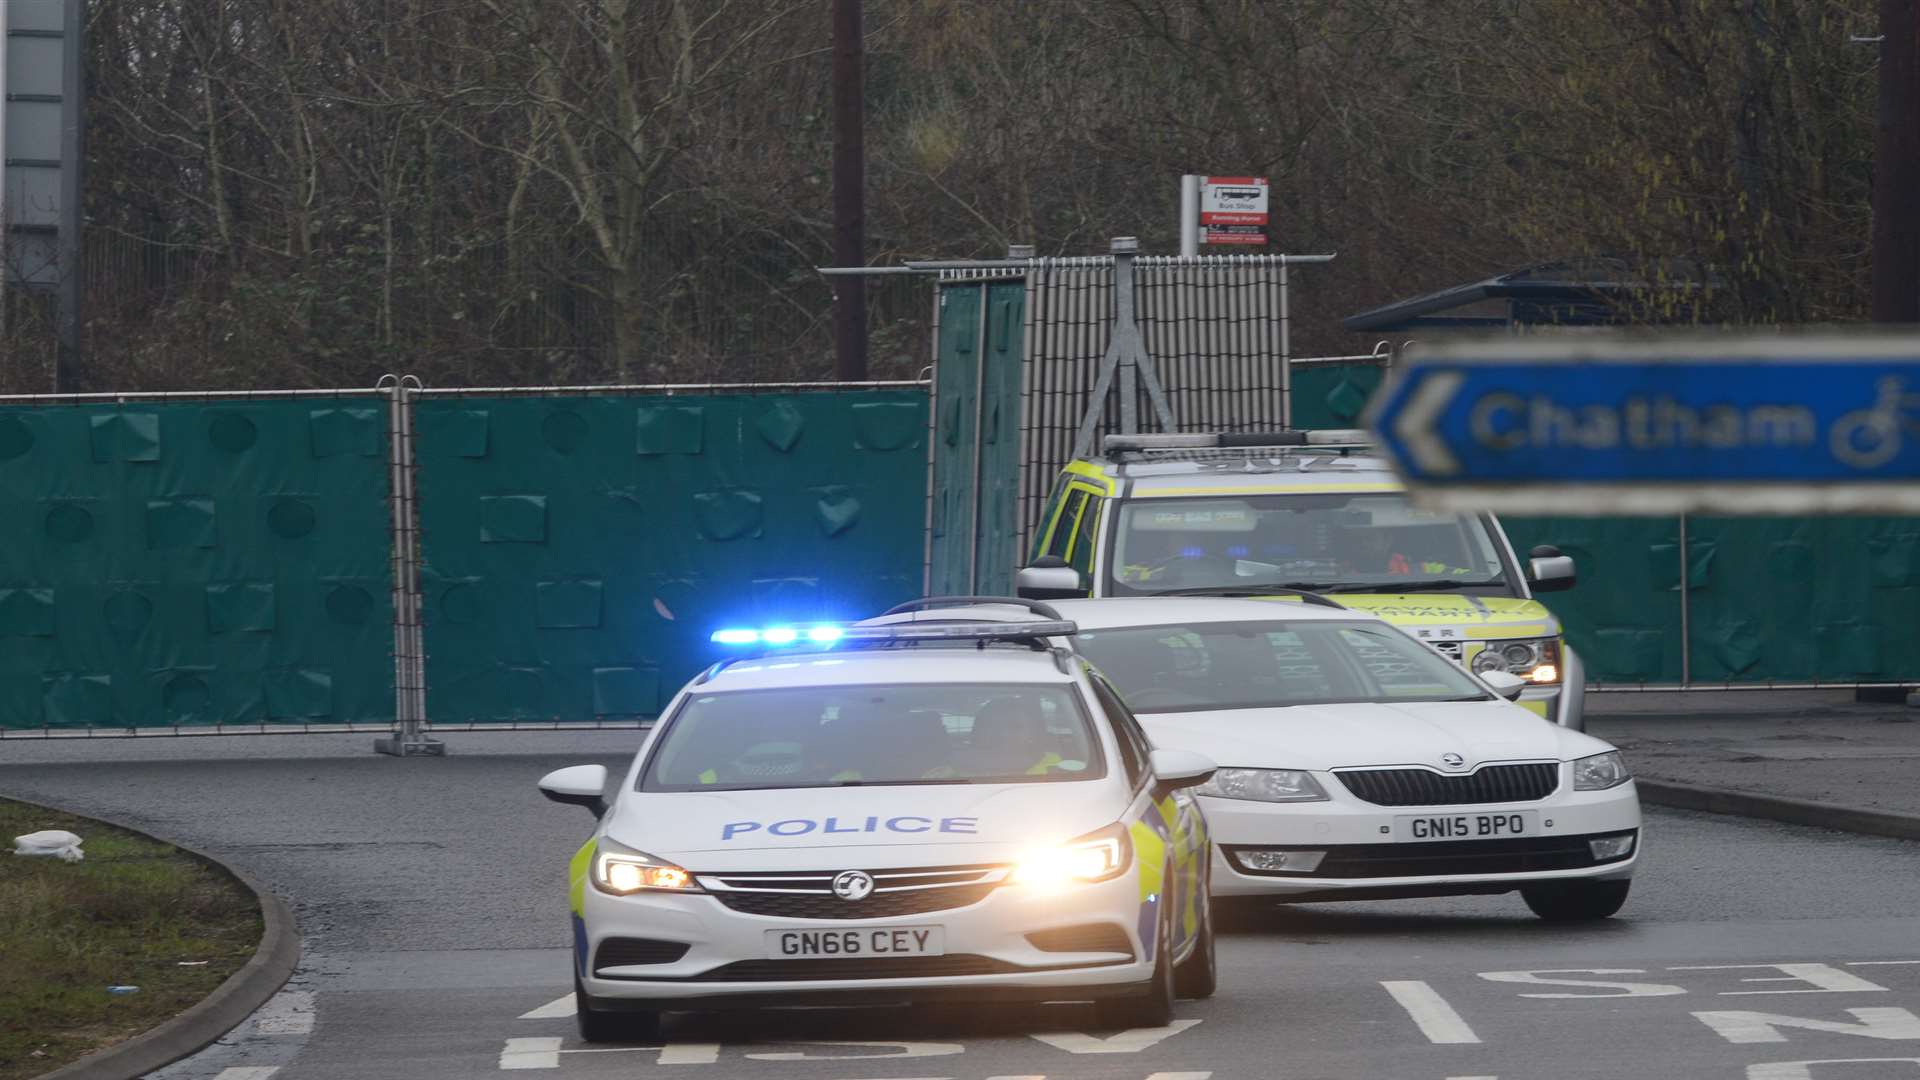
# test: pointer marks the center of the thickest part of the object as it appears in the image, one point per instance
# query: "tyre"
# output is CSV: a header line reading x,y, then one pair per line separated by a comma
x,y
1576,901
1153,1008
603,1026
1196,977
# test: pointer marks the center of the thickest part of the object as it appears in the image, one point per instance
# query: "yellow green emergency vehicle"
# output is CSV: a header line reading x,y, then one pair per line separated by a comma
x,y
1270,514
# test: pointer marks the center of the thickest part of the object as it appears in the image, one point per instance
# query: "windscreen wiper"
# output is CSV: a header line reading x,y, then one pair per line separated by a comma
x,y
902,783
1435,585
1307,596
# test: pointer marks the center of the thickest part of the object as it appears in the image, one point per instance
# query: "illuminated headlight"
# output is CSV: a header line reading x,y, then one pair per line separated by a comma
x,y
1600,772
1536,660
1264,785
621,870
1097,856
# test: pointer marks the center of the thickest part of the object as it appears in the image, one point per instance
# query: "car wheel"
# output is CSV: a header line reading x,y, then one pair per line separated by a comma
x,y
1153,1008
1576,901
604,1026
1197,977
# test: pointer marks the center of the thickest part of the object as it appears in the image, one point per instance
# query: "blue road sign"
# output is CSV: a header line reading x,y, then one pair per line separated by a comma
x,y
1611,425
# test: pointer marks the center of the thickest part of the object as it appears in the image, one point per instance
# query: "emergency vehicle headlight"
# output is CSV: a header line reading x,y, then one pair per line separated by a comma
x,y
1536,660
1097,856
622,870
1600,772
1264,785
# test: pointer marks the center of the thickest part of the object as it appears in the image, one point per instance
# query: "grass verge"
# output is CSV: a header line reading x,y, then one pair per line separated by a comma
x,y
135,912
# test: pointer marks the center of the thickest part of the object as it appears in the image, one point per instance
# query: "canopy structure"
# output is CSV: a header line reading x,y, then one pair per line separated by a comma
x,y
1602,291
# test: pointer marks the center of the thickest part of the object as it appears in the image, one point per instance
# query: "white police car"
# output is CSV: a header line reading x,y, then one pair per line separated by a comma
x,y
1357,763
862,815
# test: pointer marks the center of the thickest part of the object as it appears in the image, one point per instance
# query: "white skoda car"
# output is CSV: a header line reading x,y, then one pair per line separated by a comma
x,y
1357,763
880,815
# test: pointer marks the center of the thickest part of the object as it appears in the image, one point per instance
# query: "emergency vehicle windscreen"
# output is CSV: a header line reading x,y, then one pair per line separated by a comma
x,y
830,736
1352,542
1255,665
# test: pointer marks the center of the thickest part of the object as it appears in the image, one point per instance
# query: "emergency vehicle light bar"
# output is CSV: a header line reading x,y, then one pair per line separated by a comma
x,y
830,635
1236,440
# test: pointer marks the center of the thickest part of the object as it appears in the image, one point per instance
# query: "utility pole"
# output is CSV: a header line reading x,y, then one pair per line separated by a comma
x,y
1896,167
849,184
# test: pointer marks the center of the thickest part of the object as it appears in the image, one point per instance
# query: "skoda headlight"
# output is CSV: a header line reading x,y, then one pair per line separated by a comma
x,y
1098,856
622,870
1600,772
1264,785
1536,660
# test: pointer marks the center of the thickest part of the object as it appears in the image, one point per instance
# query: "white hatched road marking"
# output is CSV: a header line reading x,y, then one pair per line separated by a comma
x,y
1131,1041
543,1052
1803,1070
536,1053
289,1013
1437,1020
1759,1027
247,1072
560,1006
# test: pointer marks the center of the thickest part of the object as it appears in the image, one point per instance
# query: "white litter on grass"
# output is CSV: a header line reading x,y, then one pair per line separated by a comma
x,y
58,843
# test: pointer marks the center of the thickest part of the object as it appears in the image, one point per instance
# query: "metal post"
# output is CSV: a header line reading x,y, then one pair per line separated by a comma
x,y
409,737
73,112
1126,331
979,414
849,189
1286,354
1189,216
1686,609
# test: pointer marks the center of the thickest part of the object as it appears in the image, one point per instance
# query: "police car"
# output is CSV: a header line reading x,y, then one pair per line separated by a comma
x,y
1358,763
892,814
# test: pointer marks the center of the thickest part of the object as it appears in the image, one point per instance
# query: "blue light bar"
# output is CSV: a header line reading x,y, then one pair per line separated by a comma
x,y
823,634
830,634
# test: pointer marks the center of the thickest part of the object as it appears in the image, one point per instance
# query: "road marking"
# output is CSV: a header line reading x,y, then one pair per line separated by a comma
x,y
1758,1027
538,1053
1622,989
689,1053
1130,1041
247,1072
1803,1070
1823,978
1179,1076
289,1013
1874,963
560,1006
1437,1020
905,1050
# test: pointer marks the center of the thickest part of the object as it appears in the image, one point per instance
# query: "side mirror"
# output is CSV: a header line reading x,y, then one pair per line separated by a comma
x,y
1505,683
1552,573
579,785
1175,769
1049,578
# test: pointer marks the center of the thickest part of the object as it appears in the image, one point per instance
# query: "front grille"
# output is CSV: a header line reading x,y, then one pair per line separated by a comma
x,y
809,894
623,952
1091,937
1515,856
1423,787
828,906
857,967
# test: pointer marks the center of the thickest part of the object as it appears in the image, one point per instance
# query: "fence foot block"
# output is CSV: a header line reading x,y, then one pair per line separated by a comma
x,y
402,746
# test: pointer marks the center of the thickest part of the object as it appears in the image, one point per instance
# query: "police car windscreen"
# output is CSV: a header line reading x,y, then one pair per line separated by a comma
x,y
1251,665
868,735
1300,541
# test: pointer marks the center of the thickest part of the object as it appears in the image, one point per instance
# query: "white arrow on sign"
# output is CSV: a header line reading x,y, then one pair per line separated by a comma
x,y
1415,423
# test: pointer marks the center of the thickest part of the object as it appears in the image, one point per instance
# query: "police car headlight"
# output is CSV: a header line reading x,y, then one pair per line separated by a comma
x,y
622,870
1600,772
1264,785
1536,660
1097,856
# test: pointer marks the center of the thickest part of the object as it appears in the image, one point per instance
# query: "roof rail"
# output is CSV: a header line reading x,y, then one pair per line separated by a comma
x,y
1331,439
1045,611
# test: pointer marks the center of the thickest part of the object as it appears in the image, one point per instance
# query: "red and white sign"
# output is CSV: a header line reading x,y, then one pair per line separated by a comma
x,y
1233,209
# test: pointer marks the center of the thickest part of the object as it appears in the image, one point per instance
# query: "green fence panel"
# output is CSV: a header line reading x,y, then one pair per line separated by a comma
x,y
578,551
1624,615
195,564
1333,395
